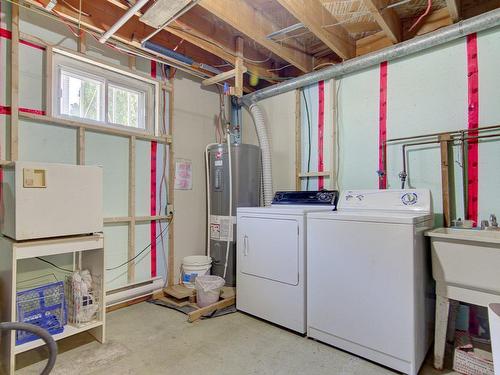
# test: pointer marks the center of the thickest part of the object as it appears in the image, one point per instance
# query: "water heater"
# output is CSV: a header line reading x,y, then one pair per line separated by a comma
x,y
245,171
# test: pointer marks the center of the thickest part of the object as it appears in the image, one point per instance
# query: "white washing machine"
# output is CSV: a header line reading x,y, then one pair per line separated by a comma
x,y
369,288
271,251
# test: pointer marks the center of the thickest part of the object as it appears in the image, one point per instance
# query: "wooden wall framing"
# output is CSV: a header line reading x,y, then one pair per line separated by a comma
x,y
131,220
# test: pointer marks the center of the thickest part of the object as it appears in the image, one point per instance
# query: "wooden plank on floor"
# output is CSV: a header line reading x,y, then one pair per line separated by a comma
x,y
128,303
197,314
179,291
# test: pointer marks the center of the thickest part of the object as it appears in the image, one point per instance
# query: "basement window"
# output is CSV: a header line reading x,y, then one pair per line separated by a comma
x,y
125,107
81,96
90,92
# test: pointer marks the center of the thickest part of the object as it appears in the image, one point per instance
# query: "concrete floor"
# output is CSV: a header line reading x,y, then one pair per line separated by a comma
x,y
148,339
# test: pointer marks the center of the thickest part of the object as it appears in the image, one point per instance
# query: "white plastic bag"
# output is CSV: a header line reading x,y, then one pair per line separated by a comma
x,y
208,289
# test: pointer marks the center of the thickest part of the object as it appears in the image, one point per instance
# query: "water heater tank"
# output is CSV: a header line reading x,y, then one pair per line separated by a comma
x,y
246,165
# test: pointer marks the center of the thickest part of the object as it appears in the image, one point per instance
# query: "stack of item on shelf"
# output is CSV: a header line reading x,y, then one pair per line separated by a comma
x,y
83,295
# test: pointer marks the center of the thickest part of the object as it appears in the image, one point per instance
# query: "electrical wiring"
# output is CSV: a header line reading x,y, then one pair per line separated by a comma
x,y
215,44
36,278
142,251
309,139
427,10
126,49
277,69
76,9
163,179
324,64
54,265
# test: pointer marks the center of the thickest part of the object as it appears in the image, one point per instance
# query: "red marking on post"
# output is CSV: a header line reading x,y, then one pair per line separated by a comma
x,y
7,34
6,110
153,69
4,33
473,122
382,127
321,127
32,45
153,208
33,111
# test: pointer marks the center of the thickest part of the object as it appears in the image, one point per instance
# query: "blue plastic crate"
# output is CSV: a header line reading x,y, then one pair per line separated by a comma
x,y
45,307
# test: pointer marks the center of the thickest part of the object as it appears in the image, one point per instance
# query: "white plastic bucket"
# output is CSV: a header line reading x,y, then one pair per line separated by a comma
x,y
208,289
194,266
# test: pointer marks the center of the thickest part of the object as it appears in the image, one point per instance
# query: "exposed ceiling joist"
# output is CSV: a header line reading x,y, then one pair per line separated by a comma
x,y
454,9
96,17
437,19
313,15
387,18
254,24
195,30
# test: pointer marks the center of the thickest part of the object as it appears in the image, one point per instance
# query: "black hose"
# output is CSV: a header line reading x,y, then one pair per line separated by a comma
x,y
40,332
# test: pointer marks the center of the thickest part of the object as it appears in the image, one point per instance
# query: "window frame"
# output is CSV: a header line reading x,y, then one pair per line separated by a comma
x,y
108,74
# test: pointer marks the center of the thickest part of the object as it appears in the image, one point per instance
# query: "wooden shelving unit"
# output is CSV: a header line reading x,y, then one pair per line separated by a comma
x,y
90,254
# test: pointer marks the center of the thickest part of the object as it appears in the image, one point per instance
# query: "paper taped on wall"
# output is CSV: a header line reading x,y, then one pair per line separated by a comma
x,y
183,175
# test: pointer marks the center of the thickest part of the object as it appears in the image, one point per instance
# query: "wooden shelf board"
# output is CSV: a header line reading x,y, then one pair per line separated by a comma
x,y
69,330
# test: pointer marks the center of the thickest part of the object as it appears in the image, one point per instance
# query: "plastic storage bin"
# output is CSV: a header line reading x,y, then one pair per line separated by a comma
x,y
44,306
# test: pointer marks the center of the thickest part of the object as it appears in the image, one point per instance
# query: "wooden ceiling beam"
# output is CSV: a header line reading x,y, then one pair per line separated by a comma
x,y
315,17
437,19
387,19
255,25
195,30
454,9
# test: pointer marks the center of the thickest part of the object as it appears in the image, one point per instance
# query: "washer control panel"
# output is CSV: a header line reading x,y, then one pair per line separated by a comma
x,y
390,199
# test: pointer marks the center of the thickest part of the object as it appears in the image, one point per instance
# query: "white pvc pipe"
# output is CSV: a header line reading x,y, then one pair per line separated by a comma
x,y
130,13
267,173
207,172
230,167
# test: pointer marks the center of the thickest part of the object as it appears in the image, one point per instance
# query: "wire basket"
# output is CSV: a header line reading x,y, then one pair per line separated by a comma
x,y
84,304
45,307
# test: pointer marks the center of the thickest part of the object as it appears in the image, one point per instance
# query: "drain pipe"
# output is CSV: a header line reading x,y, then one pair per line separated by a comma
x,y
265,147
411,46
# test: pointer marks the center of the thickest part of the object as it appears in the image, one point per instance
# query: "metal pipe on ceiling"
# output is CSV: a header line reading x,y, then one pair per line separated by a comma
x,y
128,15
411,46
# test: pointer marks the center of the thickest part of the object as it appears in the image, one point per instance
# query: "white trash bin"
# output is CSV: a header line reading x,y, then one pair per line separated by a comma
x,y
194,266
208,289
494,320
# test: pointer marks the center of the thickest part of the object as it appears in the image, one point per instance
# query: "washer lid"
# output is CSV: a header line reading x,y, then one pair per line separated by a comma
x,y
284,209
373,216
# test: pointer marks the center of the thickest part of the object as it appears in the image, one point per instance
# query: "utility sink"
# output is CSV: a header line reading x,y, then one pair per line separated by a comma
x,y
466,258
466,267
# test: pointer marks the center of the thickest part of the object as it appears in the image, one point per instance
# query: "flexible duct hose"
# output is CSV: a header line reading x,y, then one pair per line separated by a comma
x,y
40,332
267,175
